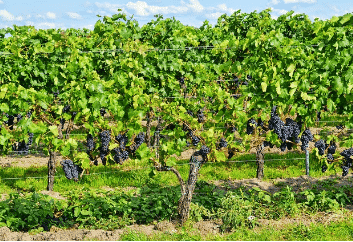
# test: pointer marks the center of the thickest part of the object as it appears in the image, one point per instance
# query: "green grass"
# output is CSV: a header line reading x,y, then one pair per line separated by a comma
x,y
139,174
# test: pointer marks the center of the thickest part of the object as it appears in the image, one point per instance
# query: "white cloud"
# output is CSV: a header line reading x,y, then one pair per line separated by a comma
x,y
143,9
19,18
1,2
275,2
87,4
139,7
46,25
225,9
51,15
195,5
299,1
213,15
5,15
29,23
74,15
90,26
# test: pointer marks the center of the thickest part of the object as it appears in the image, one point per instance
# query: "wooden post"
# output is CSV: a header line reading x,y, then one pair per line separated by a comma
x,y
148,131
307,162
51,170
260,161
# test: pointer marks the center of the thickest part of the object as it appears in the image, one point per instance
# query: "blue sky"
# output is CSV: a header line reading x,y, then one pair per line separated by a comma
x,y
44,14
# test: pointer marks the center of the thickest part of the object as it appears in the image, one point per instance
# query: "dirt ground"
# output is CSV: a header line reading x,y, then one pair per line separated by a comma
x,y
204,228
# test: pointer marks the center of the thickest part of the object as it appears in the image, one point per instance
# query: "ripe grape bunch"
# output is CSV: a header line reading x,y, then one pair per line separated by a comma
x,y
10,120
104,149
250,127
66,109
288,132
190,113
120,155
321,146
56,94
90,143
122,139
200,116
348,161
103,112
203,152
331,151
71,170
194,139
305,139
275,123
222,143
139,139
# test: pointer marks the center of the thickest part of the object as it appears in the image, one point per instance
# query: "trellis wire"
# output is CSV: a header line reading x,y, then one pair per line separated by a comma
x,y
188,48
146,167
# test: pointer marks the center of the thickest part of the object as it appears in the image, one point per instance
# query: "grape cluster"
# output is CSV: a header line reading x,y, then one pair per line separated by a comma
x,y
305,139
250,128
71,170
332,148
56,94
268,144
103,112
23,147
66,109
19,117
323,168
230,154
275,123
122,139
190,113
74,115
29,113
341,126
288,131
120,155
10,121
182,81
194,139
104,149
348,161
222,143
200,116
90,143
203,152
139,139
321,145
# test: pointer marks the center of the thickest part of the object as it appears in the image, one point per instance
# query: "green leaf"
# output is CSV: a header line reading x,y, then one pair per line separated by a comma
x,y
54,130
291,69
171,161
264,86
220,156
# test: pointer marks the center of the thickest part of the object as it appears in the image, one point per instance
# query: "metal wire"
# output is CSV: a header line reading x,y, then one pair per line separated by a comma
x,y
147,167
189,48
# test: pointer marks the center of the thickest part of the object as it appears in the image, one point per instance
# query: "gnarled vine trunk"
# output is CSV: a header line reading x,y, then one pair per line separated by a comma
x,y
188,192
